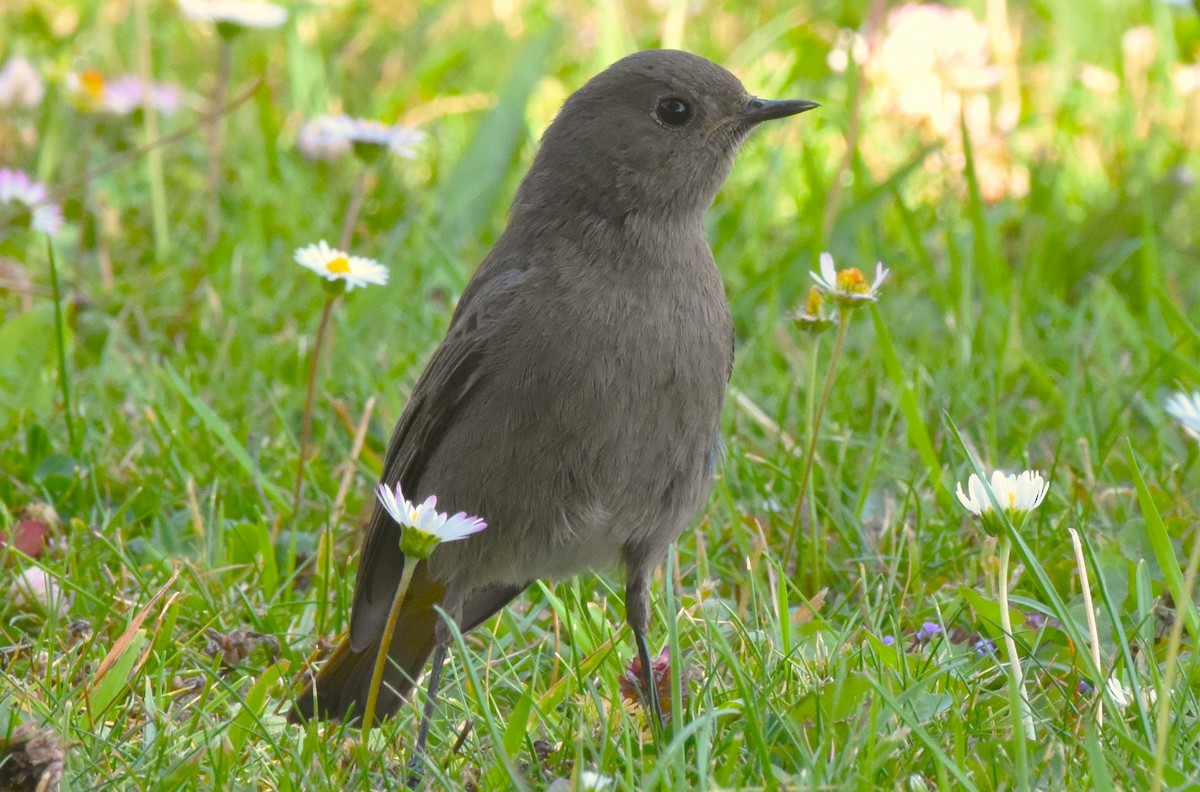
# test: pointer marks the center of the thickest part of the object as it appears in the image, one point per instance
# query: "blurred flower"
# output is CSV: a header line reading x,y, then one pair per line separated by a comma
x,y
1099,81
32,198
849,44
341,268
928,631
1036,621
122,96
397,138
928,58
1121,695
888,640
585,781
593,782
325,138
1084,688
1185,78
35,523
238,13
812,318
1139,46
36,588
20,84
983,646
1017,496
329,137
848,287
933,66
424,527
1186,410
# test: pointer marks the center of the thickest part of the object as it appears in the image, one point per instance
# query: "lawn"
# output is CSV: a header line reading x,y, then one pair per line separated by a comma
x,y
1027,175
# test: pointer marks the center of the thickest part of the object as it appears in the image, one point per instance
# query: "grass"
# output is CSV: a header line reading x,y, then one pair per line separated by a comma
x,y
1038,328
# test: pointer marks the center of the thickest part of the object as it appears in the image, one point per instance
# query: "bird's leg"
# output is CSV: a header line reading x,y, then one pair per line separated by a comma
x,y
651,684
416,764
637,613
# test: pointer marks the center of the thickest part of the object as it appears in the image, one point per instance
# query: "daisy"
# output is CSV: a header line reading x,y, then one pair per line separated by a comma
x,y
397,138
812,317
848,287
32,199
424,527
1017,495
20,84
339,267
1185,409
237,13
329,137
325,137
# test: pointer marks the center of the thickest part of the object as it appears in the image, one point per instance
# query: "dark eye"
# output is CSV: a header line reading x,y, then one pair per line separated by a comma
x,y
674,111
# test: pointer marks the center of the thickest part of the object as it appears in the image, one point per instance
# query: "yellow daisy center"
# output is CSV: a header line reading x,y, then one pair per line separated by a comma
x,y
92,83
340,265
812,306
852,281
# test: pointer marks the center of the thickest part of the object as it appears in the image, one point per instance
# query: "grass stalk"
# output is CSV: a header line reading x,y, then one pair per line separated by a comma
x,y
60,346
309,393
1093,633
1022,713
810,454
1171,664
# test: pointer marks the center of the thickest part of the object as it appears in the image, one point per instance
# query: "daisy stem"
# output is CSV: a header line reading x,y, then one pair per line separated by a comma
x,y
154,157
353,208
216,138
810,454
1022,716
1093,633
1162,722
385,642
64,380
306,419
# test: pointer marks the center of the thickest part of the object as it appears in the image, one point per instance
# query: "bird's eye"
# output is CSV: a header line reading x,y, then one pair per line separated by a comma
x,y
674,111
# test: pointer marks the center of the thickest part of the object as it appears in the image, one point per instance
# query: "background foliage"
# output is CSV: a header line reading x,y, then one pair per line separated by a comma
x,y
1039,215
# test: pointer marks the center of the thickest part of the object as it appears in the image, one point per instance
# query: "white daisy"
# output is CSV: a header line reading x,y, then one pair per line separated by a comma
x,y
325,137
335,265
33,200
37,588
1121,695
1186,410
812,317
239,13
328,137
848,287
424,527
20,84
1017,495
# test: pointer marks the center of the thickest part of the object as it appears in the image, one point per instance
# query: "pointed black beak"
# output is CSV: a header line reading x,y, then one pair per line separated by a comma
x,y
759,110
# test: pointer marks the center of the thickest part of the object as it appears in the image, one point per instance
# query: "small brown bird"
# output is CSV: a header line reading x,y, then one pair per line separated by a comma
x,y
575,402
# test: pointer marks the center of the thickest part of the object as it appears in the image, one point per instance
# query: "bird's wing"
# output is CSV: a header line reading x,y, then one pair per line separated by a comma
x,y
453,374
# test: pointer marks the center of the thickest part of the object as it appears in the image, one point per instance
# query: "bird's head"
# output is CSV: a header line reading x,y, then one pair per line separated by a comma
x,y
655,133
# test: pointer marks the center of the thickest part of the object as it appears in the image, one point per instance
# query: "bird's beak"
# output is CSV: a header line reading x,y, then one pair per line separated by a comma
x,y
759,110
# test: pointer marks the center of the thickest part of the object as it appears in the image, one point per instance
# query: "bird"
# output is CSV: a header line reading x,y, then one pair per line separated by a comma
x,y
575,401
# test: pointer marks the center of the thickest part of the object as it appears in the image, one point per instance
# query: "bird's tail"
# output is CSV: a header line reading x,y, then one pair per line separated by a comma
x,y
341,687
